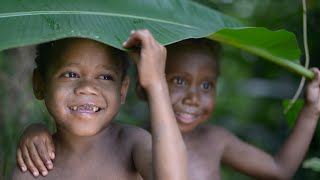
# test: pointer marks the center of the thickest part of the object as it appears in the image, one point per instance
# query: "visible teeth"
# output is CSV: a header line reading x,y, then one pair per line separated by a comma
x,y
74,108
184,113
85,107
95,109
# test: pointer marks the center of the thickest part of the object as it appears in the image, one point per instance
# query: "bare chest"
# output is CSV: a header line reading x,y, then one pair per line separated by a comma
x,y
94,167
204,161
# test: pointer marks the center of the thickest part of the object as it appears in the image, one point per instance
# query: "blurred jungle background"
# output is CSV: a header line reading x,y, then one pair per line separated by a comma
x,y
250,90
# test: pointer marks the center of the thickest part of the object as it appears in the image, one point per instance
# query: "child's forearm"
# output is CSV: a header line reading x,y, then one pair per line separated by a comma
x,y
293,151
167,142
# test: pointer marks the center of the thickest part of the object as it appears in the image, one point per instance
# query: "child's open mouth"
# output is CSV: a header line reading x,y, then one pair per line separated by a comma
x,y
85,108
186,117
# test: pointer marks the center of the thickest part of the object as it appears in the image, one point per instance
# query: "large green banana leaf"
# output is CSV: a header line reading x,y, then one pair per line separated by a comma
x,y
110,21
25,22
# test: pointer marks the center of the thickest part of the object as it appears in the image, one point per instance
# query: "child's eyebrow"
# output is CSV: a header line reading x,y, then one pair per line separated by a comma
x,y
71,64
109,67
113,68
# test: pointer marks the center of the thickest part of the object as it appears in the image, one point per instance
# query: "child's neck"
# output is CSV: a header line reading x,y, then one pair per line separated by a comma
x,y
73,144
188,136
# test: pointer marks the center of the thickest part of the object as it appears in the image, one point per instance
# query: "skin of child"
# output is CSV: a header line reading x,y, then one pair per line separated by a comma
x,y
83,90
191,74
192,77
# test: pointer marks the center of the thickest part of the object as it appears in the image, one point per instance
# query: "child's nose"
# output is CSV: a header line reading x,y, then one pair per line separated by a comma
x,y
192,97
86,87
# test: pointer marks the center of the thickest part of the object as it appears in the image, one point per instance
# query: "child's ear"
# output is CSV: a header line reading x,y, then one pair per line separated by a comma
x,y
124,89
38,84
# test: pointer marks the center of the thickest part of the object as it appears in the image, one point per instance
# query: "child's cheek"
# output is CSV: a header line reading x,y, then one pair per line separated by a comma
x,y
208,103
175,94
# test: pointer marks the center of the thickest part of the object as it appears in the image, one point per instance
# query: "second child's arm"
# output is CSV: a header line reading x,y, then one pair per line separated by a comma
x,y
283,165
36,150
168,149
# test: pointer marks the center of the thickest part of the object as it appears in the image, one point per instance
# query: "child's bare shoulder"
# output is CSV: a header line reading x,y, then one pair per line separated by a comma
x,y
138,143
132,134
132,131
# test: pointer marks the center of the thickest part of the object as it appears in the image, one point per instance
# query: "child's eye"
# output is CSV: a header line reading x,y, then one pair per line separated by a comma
x,y
179,81
70,75
106,77
206,85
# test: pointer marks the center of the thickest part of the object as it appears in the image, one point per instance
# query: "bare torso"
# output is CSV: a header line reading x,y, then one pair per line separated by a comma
x,y
108,159
113,158
205,149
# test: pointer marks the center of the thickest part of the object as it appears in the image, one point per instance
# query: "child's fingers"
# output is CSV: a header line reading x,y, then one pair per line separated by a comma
x,y
313,88
33,170
132,40
20,161
43,153
50,147
316,72
315,82
139,38
143,45
34,155
134,46
132,43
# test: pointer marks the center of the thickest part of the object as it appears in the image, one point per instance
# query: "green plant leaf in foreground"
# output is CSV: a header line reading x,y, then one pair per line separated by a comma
x,y
279,47
313,163
25,23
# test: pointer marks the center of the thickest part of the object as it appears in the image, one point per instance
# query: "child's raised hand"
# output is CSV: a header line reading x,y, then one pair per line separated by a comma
x,y
149,55
36,150
312,98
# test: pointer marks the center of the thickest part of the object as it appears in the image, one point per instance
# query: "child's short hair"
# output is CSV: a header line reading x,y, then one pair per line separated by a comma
x,y
208,46
45,51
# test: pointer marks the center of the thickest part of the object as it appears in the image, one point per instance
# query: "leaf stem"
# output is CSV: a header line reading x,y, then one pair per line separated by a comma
x,y
307,61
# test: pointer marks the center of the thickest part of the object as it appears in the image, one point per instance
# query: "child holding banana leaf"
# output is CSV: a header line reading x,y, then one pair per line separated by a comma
x,y
191,72
83,83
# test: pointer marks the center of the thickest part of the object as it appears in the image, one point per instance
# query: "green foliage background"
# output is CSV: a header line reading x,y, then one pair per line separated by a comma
x,y
249,95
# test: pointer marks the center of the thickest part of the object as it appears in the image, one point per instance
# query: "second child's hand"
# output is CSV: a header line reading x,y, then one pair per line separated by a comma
x,y
143,47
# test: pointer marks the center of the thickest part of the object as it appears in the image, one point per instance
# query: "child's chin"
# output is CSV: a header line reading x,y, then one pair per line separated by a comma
x,y
186,128
86,131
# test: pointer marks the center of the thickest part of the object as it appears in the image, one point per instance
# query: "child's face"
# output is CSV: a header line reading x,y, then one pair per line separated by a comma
x,y
83,88
191,79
